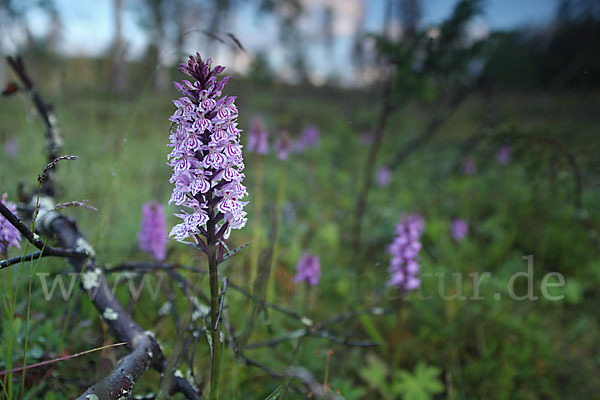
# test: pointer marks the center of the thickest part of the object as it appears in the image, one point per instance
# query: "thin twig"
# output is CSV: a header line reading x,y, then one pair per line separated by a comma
x,y
54,140
48,362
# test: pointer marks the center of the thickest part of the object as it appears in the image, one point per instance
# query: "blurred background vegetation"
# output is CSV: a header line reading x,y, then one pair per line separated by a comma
x,y
388,86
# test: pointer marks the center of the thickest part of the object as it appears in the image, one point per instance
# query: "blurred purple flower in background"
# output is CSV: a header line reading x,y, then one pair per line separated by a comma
x,y
153,230
309,139
503,154
308,269
9,235
384,176
206,157
459,229
404,265
469,167
258,137
283,146
11,148
366,137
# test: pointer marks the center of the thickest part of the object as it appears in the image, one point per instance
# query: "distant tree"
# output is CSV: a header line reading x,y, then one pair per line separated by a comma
x,y
118,66
12,19
562,54
156,15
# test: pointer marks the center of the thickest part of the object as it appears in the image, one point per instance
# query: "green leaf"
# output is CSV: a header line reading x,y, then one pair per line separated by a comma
x,y
421,385
375,372
372,330
346,388
234,251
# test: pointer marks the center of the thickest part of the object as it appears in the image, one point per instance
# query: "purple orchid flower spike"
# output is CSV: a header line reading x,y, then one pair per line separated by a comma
x,y
153,233
9,235
309,139
207,156
503,154
308,269
459,229
258,137
283,146
469,167
404,265
384,176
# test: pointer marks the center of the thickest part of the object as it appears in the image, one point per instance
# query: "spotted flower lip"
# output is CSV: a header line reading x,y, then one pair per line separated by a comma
x,y
9,235
206,154
404,265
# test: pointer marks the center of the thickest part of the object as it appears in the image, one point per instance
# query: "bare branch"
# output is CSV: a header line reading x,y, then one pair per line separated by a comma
x,y
54,140
45,250
444,113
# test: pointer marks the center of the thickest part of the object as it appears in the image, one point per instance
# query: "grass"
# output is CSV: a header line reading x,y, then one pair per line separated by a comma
x,y
490,348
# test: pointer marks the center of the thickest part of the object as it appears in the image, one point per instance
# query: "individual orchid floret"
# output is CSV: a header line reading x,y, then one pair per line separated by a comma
x,y
153,231
9,235
459,229
384,176
404,265
308,269
503,154
258,137
206,155
283,146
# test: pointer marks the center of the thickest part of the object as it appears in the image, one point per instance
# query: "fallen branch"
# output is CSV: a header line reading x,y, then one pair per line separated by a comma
x,y
146,352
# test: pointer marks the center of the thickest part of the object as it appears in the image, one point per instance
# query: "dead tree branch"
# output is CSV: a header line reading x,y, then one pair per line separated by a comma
x,y
146,352
444,113
34,239
54,140
367,182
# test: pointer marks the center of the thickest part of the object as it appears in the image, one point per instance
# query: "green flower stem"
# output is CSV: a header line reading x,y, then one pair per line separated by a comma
x,y
215,328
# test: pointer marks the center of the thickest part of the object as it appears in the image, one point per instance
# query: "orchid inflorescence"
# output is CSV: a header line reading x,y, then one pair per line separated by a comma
x,y
153,230
9,235
459,229
404,265
207,156
308,269
258,137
